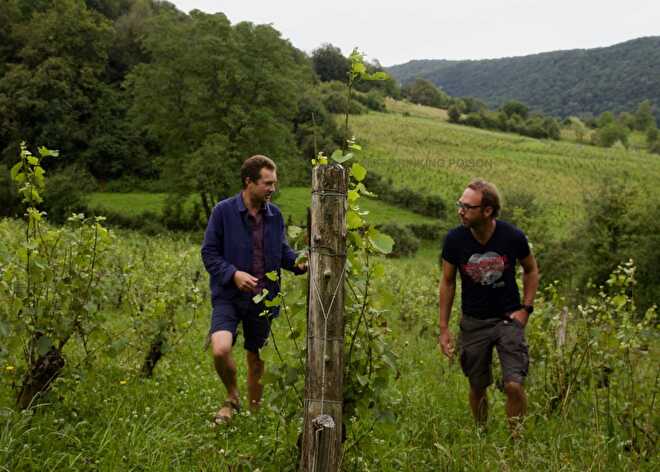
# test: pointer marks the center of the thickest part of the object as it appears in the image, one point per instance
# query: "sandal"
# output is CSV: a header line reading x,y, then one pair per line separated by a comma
x,y
226,411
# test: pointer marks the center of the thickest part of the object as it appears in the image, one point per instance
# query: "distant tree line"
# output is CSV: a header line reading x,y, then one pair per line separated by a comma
x,y
513,117
610,129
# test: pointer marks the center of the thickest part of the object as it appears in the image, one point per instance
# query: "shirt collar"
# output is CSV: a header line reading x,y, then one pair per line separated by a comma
x,y
242,208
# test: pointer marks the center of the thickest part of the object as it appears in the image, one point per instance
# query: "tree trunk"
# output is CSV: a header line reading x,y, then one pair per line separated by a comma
x,y
39,376
153,356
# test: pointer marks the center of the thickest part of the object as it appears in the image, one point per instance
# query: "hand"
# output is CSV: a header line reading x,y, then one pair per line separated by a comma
x,y
302,266
446,343
244,281
521,316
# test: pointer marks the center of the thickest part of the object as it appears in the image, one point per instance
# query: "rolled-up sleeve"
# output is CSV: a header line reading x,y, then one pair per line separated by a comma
x,y
213,249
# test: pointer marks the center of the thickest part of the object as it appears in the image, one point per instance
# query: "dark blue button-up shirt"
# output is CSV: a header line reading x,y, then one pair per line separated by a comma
x,y
227,247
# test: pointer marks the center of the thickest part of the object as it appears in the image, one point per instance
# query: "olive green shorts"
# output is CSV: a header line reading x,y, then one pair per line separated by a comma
x,y
477,339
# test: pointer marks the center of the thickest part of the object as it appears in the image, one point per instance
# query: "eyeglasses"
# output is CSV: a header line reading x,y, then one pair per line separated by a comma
x,y
464,206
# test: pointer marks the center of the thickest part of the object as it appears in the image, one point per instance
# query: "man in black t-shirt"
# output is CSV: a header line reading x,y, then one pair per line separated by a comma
x,y
485,251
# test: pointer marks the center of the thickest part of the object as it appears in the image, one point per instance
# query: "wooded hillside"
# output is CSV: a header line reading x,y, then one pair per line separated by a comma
x,y
562,83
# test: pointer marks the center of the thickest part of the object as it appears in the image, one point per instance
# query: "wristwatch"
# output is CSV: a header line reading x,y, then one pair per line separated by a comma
x,y
528,308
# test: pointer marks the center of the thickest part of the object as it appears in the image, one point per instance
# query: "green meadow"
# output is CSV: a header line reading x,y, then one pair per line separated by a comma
x,y
102,413
430,155
293,201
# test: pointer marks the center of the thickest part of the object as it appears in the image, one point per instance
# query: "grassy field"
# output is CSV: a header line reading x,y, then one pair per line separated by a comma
x,y
106,416
293,202
413,109
102,414
129,204
430,155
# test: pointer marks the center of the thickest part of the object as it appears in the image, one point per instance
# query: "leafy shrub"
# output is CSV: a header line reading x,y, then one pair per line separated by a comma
x,y
335,99
515,107
386,84
314,128
470,104
162,297
424,92
405,242
428,205
610,134
338,103
52,277
10,203
65,192
551,127
520,207
330,64
428,231
578,127
655,148
177,217
511,118
601,346
605,119
473,119
454,114
373,100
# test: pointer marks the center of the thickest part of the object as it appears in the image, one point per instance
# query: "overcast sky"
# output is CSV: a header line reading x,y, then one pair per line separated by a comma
x,y
396,32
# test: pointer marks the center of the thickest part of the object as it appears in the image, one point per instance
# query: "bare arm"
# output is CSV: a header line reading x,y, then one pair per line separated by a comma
x,y
447,290
530,279
530,285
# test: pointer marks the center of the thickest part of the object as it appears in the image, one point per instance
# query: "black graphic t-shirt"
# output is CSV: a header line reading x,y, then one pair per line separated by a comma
x,y
488,276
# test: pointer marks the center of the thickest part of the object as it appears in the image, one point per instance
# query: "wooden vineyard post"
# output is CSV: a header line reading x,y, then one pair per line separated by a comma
x,y
321,446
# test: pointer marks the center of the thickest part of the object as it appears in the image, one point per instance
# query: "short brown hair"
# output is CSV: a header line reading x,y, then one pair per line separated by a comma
x,y
252,167
490,197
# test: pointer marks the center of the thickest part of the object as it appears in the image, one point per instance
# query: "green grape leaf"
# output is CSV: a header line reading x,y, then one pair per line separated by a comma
x,y
358,172
294,231
382,242
353,220
15,170
260,296
339,157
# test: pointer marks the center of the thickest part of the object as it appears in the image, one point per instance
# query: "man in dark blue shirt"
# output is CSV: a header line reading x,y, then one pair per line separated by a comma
x,y
485,251
245,239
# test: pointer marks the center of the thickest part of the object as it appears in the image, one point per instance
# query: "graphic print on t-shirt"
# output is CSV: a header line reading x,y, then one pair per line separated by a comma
x,y
487,268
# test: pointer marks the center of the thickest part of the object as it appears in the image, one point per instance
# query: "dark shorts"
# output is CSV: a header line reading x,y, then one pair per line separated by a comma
x,y
477,339
227,315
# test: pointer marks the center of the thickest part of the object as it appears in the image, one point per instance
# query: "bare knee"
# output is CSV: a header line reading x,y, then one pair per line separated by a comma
x,y
221,344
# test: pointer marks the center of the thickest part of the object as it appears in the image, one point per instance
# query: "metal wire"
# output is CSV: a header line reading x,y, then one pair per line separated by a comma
x,y
325,314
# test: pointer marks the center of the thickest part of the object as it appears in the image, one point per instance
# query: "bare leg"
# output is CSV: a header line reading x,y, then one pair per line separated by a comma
x,y
516,406
255,371
479,405
225,366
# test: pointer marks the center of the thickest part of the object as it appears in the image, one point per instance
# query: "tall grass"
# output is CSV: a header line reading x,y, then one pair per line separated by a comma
x,y
106,416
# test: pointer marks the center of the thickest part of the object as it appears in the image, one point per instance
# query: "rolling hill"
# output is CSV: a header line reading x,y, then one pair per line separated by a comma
x,y
561,83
